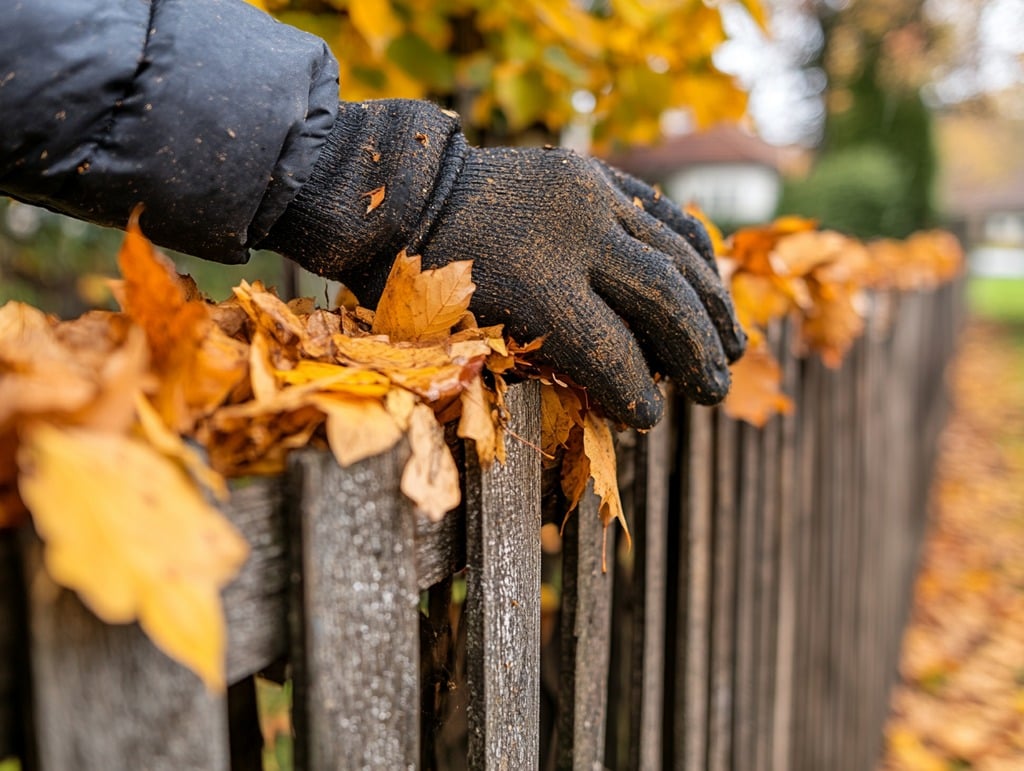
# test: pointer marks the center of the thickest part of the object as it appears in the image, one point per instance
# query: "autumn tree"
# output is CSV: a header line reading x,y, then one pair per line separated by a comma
x,y
514,65
877,163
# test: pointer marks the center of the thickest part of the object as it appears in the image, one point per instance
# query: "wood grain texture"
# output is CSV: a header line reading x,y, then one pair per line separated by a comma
x,y
653,474
503,560
585,643
723,597
745,702
788,573
106,698
691,690
354,614
256,602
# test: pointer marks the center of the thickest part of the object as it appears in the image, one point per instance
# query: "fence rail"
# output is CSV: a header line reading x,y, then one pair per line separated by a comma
x,y
755,624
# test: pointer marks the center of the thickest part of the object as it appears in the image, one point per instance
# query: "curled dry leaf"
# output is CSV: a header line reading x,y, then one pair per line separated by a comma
x,y
479,423
600,450
374,198
430,478
357,428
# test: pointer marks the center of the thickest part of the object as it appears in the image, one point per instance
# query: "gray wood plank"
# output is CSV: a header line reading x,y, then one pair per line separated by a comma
x,y
808,708
723,597
503,520
691,708
256,602
354,615
767,602
651,565
585,639
786,641
440,547
745,713
106,698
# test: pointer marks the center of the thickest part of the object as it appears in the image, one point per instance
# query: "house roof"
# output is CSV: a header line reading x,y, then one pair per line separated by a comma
x,y
718,145
982,164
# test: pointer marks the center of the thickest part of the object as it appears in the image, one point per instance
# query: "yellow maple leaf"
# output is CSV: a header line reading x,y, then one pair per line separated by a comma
x,y
173,446
125,528
430,478
377,22
427,369
423,304
321,376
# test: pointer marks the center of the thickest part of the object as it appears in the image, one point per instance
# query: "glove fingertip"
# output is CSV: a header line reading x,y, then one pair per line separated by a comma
x,y
710,389
641,413
735,345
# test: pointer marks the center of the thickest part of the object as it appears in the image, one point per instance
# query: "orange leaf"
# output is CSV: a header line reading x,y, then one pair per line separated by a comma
x,y
430,478
158,299
423,305
832,324
600,450
755,394
575,469
560,410
357,428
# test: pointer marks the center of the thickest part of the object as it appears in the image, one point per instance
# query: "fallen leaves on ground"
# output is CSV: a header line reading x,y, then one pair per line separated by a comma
x,y
961,700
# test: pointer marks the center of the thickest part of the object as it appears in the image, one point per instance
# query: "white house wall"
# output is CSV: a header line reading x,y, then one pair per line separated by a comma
x,y
732,193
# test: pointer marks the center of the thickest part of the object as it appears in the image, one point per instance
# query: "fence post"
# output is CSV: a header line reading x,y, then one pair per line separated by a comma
x,y
586,638
503,562
104,696
354,614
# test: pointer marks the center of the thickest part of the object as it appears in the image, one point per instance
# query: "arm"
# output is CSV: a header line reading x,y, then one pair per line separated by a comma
x,y
210,113
226,125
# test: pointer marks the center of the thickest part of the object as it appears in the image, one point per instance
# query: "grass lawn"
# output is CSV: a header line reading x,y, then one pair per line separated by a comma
x,y
997,299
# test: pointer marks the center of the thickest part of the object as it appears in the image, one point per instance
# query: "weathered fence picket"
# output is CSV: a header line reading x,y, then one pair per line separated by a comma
x,y
755,624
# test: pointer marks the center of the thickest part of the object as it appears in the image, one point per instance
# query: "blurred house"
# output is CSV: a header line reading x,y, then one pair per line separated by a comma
x,y
735,177
981,190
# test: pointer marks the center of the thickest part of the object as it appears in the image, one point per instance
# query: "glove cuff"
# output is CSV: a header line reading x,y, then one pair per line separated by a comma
x,y
378,185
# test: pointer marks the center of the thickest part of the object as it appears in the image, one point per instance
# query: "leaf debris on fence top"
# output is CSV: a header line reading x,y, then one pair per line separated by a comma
x,y
820,278
102,402
253,377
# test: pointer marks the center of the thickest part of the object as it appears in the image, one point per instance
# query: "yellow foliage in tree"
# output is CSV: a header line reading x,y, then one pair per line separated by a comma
x,y
509,65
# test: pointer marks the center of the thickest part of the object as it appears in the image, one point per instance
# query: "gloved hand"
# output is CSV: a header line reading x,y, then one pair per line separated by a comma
x,y
618,280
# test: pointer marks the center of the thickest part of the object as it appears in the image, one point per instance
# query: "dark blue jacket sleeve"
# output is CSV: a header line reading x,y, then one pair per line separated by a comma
x,y
208,112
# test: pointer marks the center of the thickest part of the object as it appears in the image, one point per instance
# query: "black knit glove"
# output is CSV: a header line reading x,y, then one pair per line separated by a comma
x,y
618,280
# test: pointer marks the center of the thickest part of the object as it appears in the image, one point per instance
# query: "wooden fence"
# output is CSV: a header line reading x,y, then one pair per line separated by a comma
x,y
756,623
